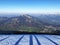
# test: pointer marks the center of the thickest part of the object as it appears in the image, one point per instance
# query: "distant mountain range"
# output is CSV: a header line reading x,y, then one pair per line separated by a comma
x,y
31,23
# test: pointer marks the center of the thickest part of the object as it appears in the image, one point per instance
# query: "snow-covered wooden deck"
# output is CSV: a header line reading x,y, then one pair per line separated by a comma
x,y
29,40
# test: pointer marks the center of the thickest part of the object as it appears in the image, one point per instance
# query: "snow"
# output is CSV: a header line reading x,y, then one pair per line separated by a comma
x,y
25,40
44,41
54,38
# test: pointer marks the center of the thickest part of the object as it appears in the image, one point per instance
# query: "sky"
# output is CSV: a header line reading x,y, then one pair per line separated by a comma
x,y
29,6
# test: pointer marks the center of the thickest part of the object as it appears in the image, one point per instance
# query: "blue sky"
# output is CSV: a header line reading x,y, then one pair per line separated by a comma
x,y
29,6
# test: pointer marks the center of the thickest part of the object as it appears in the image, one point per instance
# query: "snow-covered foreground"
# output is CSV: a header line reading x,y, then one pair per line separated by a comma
x,y
29,40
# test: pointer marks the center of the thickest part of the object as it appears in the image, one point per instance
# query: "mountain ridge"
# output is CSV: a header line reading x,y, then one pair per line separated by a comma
x,y
29,23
